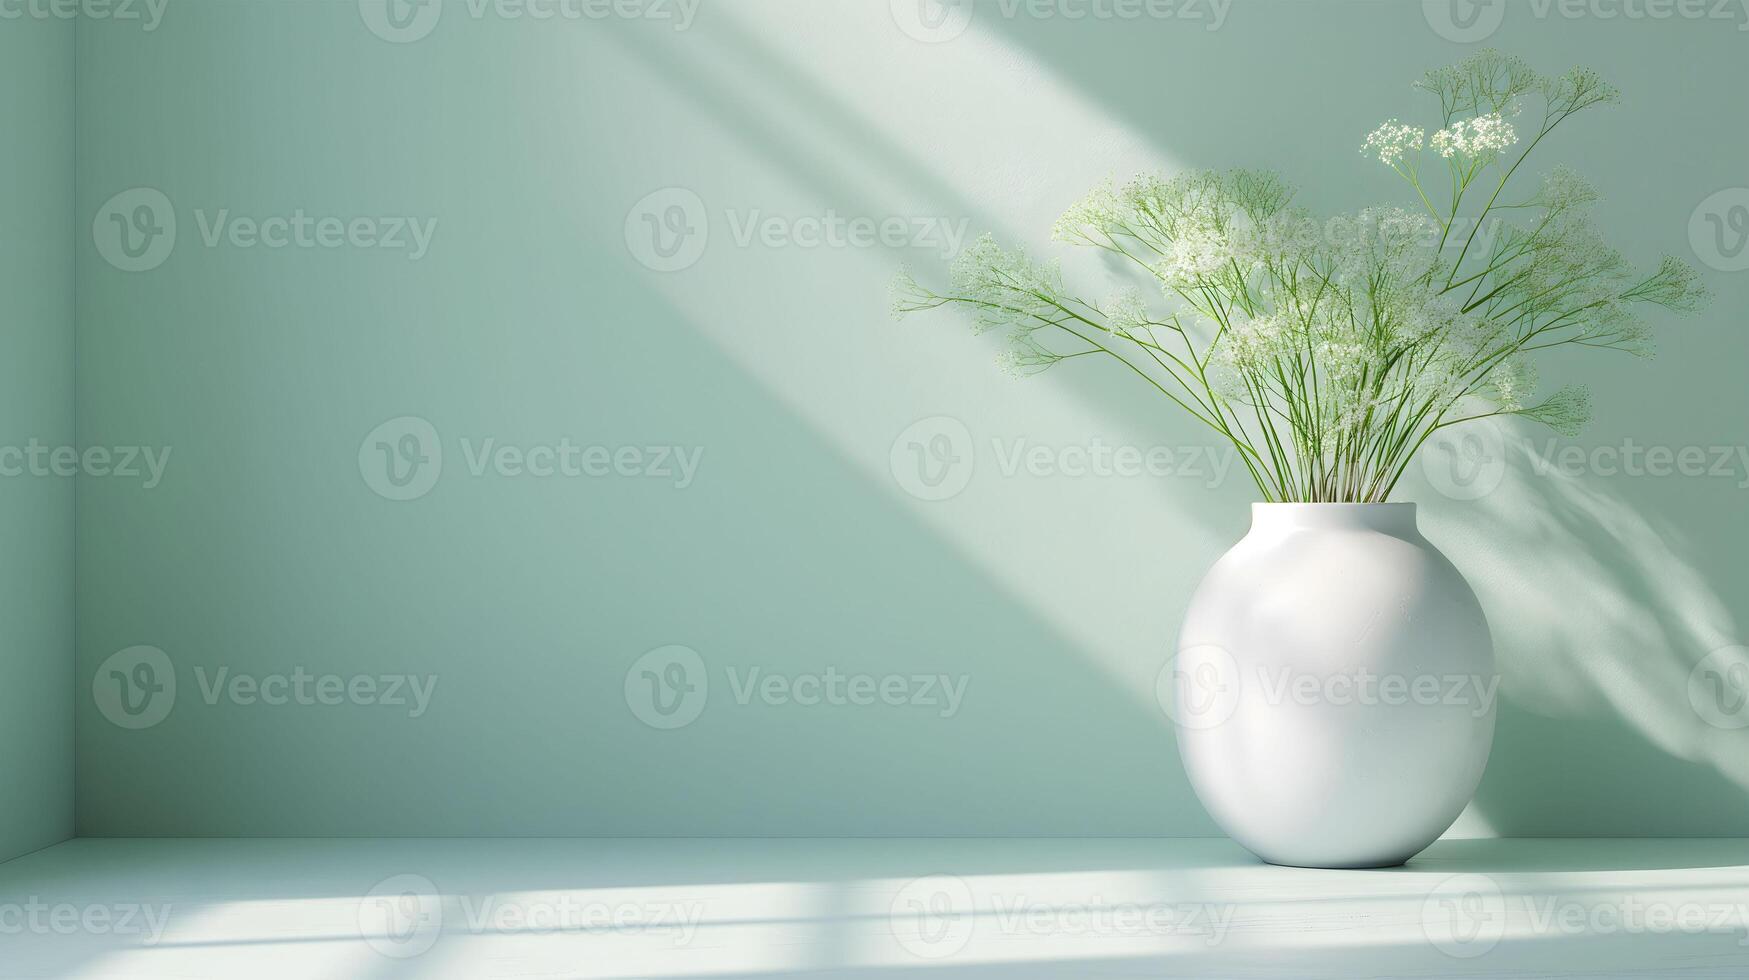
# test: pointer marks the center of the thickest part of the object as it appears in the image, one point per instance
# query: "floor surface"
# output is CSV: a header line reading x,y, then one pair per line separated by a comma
x,y
922,909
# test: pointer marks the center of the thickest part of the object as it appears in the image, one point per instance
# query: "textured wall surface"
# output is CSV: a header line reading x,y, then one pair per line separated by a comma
x,y
473,361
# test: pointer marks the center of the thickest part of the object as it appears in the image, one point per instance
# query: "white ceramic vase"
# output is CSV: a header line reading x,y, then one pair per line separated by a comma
x,y
1334,687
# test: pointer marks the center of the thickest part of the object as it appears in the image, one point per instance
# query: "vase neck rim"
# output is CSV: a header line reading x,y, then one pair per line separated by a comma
x,y
1387,517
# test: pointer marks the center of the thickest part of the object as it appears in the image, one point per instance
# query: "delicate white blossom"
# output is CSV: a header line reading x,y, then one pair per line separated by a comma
x,y
1482,136
1099,210
1514,382
1200,250
1394,140
1126,315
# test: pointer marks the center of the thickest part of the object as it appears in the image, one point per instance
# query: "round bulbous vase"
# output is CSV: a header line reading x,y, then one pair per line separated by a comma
x,y
1334,687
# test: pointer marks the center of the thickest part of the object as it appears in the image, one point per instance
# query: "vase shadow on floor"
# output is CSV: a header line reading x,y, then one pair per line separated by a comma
x,y
1619,854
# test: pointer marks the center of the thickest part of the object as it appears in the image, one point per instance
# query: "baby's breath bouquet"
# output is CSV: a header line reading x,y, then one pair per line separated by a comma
x,y
1328,351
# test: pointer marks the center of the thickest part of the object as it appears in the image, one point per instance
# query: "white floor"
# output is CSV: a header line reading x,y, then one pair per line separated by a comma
x,y
238,910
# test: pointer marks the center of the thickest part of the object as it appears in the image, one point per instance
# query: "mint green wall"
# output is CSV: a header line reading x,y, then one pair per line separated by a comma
x,y
534,316
36,403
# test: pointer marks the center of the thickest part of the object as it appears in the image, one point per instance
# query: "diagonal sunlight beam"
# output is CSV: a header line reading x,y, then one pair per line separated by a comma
x,y
787,318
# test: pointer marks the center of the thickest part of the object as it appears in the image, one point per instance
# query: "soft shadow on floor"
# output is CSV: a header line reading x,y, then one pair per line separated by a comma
x,y
1491,856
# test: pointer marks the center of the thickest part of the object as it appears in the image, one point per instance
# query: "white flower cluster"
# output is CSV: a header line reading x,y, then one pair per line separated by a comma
x,y
1126,315
1252,343
1478,137
1101,209
1391,141
1025,359
1005,287
1514,382
1200,250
